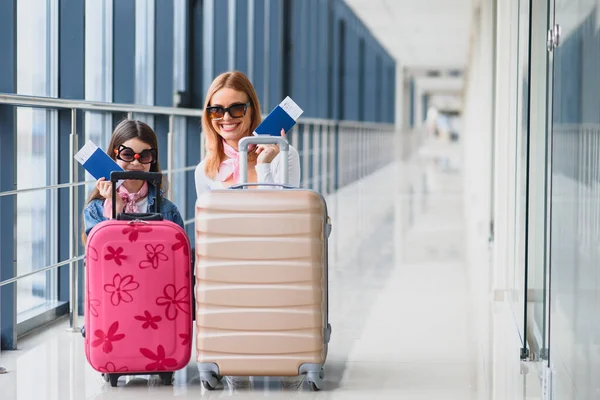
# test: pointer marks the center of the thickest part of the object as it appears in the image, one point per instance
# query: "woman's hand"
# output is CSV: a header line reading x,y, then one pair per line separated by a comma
x,y
267,152
105,189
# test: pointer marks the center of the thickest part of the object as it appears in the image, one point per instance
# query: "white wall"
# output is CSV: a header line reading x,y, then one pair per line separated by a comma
x,y
477,180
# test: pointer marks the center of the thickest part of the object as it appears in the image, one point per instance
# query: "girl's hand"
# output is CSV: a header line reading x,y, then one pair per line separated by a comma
x,y
105,189
267,152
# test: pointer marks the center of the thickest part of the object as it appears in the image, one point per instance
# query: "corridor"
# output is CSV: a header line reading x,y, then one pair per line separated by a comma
x,y
399,305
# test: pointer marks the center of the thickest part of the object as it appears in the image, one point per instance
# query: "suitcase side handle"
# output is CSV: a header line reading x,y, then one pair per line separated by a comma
x,y
154,178
245,142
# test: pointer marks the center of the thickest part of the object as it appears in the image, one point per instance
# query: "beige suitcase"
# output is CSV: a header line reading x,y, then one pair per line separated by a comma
x,y
261,280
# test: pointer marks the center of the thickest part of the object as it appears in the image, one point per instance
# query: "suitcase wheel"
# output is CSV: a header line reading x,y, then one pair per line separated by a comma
x,y
315,380
210,381
167,378
114,379
106,378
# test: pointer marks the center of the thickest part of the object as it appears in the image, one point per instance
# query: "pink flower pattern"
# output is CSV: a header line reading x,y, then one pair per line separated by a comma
x,y
154,254
93,303
115,255
134,231
185,338
111,368
161,363
182,243
149,320
120,289
93,253
107,339
174,300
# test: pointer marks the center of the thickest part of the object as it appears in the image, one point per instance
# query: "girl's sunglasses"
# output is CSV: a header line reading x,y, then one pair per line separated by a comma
x,y
237,110
127,154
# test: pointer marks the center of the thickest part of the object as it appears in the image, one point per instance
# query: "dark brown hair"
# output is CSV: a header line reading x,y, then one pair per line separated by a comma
x,y
215,154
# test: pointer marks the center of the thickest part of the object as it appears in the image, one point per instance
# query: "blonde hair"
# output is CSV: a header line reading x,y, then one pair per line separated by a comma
x,y
215,154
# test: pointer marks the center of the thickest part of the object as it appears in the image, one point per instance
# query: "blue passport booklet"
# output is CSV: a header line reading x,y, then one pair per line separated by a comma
x,y
96,161
283,116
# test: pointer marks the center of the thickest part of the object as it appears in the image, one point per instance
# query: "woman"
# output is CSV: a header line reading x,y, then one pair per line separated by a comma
x,y
231,112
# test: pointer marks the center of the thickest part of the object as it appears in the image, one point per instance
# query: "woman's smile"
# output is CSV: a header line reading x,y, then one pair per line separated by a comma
x,y
229,126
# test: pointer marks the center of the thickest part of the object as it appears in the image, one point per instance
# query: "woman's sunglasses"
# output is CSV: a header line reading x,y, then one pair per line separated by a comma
x,y
237,110
127,154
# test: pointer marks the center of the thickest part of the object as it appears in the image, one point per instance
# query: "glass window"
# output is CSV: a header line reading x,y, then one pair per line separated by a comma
x,y
98,73
180,8
178,194
98,68
144,56
37,38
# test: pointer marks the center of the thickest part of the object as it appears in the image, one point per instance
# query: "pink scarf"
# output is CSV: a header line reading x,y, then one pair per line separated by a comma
x,y
232,164
130,200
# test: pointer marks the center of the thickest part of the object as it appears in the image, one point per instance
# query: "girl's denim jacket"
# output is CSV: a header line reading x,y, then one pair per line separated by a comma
x,y
94,211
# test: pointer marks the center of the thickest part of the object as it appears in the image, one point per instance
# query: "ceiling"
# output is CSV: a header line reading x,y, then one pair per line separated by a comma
x,y
430,34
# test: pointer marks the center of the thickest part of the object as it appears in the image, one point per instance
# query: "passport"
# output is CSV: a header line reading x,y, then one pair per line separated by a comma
x,y
96,161
283,116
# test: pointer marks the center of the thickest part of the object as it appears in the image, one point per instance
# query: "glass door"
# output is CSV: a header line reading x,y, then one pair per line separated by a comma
x,y
519,158
538,185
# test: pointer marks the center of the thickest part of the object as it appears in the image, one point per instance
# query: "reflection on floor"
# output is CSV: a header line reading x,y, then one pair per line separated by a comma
x,y
399,306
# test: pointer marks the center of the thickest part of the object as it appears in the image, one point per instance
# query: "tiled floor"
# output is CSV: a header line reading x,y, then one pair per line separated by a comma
x,y
399,307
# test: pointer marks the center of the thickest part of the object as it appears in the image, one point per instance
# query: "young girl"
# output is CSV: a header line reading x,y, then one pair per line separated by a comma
x,y
134,147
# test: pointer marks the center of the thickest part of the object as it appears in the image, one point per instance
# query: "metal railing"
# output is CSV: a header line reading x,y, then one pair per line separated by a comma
x,y
371,143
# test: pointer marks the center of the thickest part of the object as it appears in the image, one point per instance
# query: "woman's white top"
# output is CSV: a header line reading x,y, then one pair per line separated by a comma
x,y
265,173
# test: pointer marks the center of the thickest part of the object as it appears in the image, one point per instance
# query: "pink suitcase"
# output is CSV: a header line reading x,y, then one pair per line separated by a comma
x,y
261,280
138,294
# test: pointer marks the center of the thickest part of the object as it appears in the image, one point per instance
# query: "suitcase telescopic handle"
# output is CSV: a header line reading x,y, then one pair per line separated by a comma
x,y
154,178
243,185
245,142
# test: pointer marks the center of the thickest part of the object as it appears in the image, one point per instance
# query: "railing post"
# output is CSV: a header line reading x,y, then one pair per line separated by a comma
x,y
171,156
331,159
323,159
337,156
73,223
